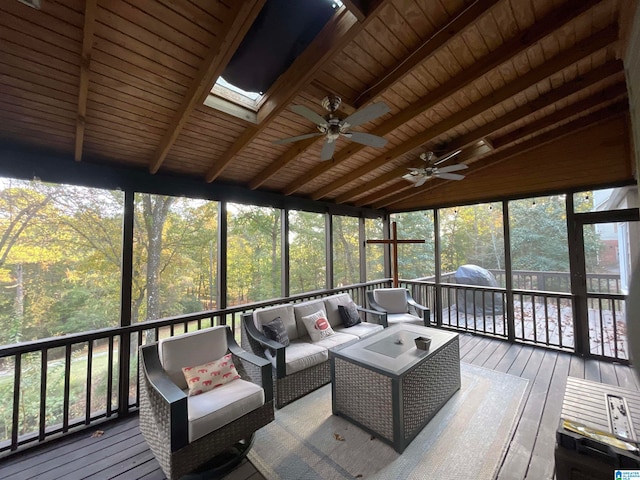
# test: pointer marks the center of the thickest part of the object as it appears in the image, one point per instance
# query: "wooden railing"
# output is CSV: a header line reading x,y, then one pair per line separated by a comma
x,y
55,386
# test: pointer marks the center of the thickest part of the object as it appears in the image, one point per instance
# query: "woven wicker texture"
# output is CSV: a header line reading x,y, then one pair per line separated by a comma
x,y
427,387
373,399
365,396
295,385
155,425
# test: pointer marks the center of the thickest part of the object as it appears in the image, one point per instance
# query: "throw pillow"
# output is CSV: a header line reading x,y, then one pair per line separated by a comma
x,y
349,314
317,326
203,378
276,331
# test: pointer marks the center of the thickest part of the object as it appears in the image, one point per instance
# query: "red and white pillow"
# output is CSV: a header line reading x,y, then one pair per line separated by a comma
x,y
203,378
317,326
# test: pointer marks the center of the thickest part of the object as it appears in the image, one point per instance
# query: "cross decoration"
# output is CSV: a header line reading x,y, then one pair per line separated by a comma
x,y
394,241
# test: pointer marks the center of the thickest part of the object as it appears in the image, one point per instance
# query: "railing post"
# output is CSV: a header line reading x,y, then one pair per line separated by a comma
x,y
508,276
124,348
438,266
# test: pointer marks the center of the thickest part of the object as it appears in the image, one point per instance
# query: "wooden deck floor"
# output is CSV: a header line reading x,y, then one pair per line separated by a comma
x,y
121,453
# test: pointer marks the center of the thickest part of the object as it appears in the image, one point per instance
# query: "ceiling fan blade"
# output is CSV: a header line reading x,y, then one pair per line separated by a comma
x,y
327,150
367,139
421,181
295,139
410,177
453,168
367,114
309,114
449,176
416,171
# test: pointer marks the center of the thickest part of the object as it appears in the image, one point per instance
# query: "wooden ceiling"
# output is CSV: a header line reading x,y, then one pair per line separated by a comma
x,y
124,82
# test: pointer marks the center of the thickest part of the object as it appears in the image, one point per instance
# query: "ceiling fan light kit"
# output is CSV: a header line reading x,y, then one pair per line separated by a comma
x,y
332,127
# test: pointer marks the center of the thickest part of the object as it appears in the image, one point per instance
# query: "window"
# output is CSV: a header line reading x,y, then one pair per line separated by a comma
x,y
539,244
606,199
253,254
374,251
307,252
416,260
60,252
346,254
472,235
174,256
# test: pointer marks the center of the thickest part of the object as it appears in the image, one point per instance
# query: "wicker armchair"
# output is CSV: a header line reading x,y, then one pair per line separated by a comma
x,y
399,306
185,432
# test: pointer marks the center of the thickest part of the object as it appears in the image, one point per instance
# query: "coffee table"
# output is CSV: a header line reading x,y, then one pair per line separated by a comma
x,y
388,387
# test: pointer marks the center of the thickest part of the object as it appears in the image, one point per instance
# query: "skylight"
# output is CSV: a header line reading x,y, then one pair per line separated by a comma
x,y
271,45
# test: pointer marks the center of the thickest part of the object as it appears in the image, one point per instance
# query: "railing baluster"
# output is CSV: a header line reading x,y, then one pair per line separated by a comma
x,y
87,410
110,377
67,387
615,328
546,319
15,420
560,342
601,326
44,357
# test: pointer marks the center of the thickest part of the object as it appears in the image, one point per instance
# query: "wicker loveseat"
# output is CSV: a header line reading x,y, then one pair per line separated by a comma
x,y
303,365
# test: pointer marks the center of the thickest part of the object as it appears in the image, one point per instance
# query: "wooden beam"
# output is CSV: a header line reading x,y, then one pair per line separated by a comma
x,y
90,8
616,109
509,49
211,68
613,67
468,16
561,61
337,33
358,8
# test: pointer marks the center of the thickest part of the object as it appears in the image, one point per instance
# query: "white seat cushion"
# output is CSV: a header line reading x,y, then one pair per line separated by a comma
x,y
394,318
361,330
301,354
393,300
336,339
214,409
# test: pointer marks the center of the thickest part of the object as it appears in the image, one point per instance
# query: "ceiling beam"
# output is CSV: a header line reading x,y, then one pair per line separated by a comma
x,y
601,100
90,9
337,33
613,67
211,68
507,50
619,108
468,16
358,8
561,61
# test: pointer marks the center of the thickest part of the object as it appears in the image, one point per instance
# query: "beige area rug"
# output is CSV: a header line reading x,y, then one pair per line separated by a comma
x,y
467,439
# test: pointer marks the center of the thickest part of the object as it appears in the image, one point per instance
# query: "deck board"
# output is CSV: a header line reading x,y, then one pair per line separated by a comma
x,y
121,453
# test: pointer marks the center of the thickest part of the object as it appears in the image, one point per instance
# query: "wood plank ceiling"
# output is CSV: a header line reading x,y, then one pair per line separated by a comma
x,y
124,82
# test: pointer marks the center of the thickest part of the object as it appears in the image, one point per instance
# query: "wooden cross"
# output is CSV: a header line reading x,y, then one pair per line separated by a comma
x,y
394,241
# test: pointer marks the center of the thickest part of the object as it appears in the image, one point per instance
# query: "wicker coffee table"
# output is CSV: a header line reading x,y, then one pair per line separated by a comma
x,y
388,387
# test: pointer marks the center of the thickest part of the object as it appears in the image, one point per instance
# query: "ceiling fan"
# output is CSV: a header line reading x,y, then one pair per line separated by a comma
x,y
332,127
420,175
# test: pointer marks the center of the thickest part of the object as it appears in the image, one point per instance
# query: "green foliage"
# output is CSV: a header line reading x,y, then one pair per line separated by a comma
x,y
415,260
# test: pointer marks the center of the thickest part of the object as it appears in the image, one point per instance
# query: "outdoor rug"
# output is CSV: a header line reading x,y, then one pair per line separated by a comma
x,y
466,439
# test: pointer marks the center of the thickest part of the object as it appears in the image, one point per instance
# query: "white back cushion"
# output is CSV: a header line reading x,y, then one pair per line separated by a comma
x,y
331,307
190,349
285,312
305,309
393,300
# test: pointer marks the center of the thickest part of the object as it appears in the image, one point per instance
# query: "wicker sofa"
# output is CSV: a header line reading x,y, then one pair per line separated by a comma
x,y
303,365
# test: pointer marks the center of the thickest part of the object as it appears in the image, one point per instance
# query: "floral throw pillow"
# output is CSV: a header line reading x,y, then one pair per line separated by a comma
x,y
203,378
349,314
317,326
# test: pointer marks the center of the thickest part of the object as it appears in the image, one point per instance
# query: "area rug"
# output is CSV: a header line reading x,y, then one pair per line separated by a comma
x,y
467,438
